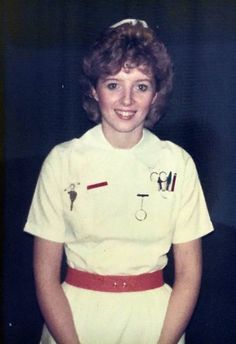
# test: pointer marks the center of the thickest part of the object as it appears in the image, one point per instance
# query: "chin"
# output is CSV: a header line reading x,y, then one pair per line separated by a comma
x,y
127,128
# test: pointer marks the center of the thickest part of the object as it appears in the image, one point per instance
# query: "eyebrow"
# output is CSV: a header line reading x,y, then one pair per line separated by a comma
x,y
117,79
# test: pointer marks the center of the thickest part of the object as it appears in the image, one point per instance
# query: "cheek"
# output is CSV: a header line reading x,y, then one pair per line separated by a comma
x,y
104,104
104,99
145,104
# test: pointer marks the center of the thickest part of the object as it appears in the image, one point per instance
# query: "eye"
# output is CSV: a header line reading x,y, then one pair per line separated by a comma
x,y
143,87
112,85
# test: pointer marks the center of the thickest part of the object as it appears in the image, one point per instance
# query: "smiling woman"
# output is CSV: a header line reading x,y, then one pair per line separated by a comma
x,y
125,47
116,200
125,100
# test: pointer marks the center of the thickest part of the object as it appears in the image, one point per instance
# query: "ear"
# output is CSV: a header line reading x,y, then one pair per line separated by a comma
x,y
94,94
154,98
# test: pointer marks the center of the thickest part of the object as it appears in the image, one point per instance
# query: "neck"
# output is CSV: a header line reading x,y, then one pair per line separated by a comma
x,y
123,140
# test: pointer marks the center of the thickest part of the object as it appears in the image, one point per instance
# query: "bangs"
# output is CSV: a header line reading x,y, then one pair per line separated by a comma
x,y
112,66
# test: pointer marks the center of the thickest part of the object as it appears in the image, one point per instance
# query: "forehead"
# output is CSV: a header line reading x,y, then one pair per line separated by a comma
x,y
131,73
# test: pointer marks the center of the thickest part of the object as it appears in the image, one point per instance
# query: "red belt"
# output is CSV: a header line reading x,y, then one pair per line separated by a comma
x,y
115,284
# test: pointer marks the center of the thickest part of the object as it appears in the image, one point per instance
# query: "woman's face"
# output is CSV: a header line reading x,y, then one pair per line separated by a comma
x,y
124,100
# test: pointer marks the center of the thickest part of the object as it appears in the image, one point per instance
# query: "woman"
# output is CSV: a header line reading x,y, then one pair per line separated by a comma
x,y
116,199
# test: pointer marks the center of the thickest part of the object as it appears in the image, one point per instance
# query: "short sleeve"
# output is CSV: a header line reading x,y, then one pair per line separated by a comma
x,y
193,219
45,218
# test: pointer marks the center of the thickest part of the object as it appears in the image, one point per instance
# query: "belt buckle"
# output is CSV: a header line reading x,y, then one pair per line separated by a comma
x,y
120,284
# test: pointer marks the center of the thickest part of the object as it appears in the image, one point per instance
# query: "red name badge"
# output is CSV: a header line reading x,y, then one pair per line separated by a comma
x,y
97,185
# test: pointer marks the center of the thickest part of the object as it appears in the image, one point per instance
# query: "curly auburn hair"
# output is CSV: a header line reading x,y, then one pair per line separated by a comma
x,y
133,45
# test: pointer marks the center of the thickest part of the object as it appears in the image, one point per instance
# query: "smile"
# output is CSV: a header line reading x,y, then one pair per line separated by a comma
x,y
125,114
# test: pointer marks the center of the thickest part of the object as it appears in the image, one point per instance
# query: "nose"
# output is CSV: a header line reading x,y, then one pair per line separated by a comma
x,y
127,96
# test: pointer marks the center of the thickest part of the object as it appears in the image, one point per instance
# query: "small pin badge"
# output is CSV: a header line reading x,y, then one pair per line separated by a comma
x,y
71,190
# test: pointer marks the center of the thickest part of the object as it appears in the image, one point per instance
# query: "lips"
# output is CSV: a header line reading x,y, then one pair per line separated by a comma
x,y
125,114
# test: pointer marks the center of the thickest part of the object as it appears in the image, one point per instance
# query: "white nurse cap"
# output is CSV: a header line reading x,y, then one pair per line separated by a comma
x,y
130,21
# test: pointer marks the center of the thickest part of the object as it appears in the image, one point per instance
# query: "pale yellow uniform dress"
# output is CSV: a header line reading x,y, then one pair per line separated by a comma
x,y
118,211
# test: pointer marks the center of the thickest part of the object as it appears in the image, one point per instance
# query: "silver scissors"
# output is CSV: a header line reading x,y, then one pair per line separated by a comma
x,y
163,179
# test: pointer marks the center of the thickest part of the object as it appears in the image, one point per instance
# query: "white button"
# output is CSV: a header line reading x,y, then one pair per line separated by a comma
x,y
114,284
124,284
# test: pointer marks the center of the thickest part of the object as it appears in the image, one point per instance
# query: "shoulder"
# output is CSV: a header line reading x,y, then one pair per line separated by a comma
x,y
167,149
60,152
68,149
176,151
180,159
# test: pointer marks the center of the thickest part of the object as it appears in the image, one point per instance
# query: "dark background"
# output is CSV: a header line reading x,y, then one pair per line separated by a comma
x,y
42,46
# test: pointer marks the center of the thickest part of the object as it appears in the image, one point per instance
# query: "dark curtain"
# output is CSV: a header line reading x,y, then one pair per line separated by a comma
x,y
43,44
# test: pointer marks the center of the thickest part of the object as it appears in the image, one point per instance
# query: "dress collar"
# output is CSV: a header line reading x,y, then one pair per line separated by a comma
x,y
146,150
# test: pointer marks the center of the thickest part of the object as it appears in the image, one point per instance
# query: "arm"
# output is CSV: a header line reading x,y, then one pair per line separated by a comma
x,y
188,266
52,300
